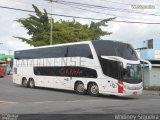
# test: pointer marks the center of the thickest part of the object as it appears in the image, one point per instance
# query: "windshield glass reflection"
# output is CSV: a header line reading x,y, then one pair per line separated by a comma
x,y
132,74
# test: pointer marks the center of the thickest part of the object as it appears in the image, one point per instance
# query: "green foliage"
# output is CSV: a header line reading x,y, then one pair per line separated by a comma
x,y
38,27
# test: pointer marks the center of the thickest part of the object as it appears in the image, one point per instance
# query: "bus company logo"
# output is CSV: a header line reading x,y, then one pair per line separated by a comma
x,y
114,85
51,62
70,72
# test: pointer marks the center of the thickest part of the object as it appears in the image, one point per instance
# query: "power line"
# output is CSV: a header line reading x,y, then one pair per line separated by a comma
x,y
88,18
116,2
93,11
77,8
105,7
38,4
113,9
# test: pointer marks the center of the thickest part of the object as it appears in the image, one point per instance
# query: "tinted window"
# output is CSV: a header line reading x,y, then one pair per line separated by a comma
x,y
67,71
81,50
126,51
105,48
111,68
113,48
41,53
150,44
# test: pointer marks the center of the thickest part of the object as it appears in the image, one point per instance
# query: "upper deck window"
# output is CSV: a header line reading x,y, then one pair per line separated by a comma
x,y
112,48
77,50
80,50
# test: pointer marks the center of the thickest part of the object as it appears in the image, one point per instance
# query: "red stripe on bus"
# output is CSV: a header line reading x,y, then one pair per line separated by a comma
x,y
120,86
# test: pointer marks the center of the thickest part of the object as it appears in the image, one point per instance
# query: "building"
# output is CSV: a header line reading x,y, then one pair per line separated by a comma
x,y
151,52
8,59
4,57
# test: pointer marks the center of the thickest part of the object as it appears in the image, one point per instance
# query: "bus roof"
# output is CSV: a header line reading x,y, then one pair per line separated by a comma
x,y
57,45
72,43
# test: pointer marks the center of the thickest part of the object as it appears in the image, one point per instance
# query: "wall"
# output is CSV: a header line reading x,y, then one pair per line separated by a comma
x,y
151,77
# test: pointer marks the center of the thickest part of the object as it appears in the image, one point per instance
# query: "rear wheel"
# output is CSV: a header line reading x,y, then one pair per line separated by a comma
x,y
93,89
79,88
31,83
24,82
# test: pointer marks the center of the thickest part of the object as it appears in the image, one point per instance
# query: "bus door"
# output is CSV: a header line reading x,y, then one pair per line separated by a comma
x,y
113,73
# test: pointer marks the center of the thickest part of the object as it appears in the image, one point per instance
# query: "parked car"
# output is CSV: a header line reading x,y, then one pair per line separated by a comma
x,y
2,68
2,71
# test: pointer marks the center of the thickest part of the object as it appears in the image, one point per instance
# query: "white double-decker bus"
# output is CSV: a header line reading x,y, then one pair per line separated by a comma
x,y
93,67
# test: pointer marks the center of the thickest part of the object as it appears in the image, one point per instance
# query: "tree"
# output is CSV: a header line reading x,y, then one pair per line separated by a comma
x,y
38,27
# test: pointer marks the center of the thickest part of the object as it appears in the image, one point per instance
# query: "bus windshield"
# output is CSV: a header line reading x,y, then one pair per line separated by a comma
x,y
132,74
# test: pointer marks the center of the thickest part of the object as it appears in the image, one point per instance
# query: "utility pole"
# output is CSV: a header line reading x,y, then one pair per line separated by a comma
x,y
51,39
9,57
51,29
9,51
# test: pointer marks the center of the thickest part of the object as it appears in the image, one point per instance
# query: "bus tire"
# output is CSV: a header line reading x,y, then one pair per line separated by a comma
x,y
80,89
93,89
24,82
31,83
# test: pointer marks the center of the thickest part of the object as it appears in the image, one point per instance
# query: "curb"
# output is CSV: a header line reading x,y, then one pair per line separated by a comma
x,y
151,93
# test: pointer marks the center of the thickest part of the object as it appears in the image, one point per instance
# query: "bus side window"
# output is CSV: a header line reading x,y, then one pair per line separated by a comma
x,y
82,50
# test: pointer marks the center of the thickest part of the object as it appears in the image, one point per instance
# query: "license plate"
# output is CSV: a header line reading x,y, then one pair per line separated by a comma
x,y
135,93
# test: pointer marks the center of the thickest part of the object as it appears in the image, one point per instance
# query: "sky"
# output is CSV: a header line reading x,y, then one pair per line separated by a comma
x,y
126,10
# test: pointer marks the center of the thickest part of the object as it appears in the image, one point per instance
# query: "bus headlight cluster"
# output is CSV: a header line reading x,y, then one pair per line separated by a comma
x,y
133,88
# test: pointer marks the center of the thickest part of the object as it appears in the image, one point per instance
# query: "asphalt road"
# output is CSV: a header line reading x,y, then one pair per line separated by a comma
x,y
18,100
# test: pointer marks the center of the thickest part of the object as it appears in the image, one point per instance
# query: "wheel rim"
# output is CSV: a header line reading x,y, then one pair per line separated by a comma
x,y
31,83
25,83
94,89
80,88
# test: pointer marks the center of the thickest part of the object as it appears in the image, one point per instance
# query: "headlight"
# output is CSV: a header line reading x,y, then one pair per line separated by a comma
x,y
133,88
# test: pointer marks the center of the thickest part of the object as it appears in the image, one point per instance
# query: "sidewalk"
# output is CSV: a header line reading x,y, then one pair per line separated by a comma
x,y
8,76
151,92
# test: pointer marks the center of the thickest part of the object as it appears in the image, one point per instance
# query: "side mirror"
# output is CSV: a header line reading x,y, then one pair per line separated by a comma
x,y
149,63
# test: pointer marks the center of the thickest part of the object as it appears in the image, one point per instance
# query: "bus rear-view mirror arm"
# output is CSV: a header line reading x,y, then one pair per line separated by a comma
x,y
149,63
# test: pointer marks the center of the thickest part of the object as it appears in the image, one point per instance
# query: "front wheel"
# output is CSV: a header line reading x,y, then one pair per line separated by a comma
x,y
93,89
80,89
